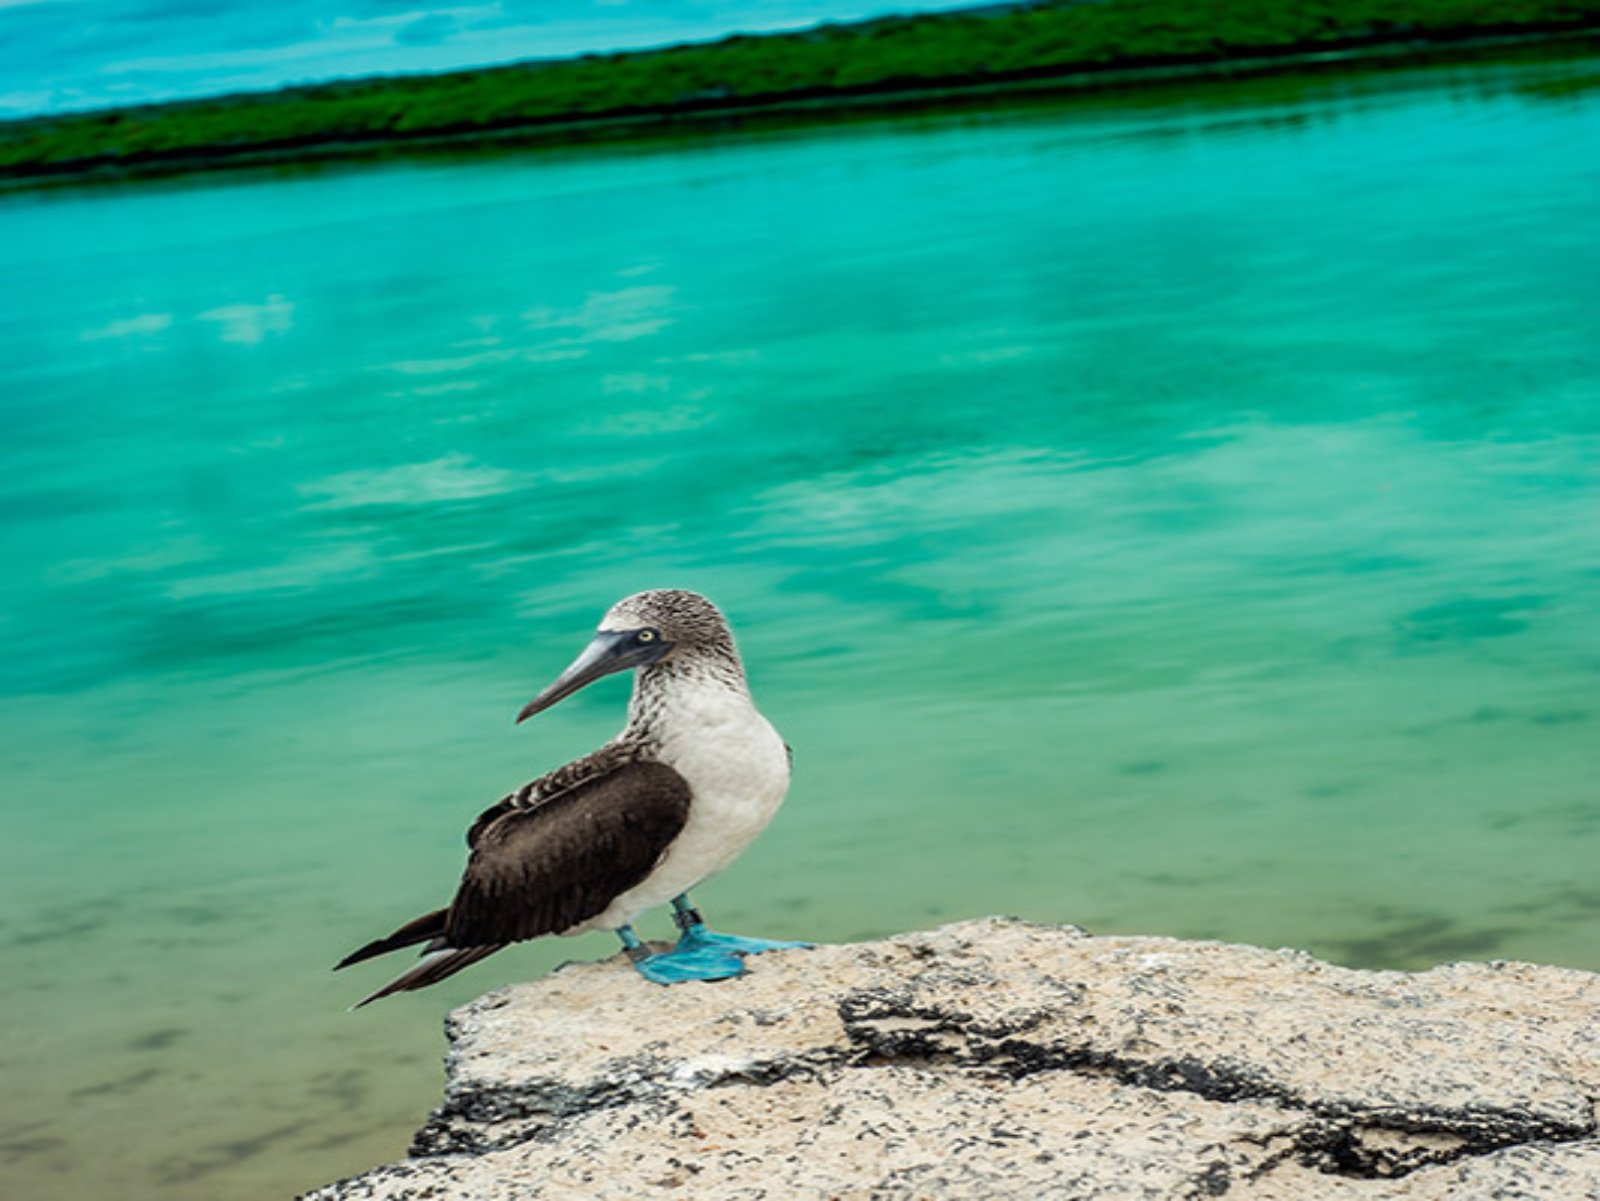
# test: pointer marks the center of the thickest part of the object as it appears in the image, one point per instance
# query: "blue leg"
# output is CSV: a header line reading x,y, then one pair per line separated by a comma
x,y
696,935
681,963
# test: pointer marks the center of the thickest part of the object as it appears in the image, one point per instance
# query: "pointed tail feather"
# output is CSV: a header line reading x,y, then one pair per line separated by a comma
x,y
424,929
434,967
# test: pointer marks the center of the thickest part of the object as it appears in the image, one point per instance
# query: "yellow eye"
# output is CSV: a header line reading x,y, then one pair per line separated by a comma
x,y
646,636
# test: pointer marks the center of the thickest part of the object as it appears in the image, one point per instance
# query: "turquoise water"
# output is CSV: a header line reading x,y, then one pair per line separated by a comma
x,y
1171,512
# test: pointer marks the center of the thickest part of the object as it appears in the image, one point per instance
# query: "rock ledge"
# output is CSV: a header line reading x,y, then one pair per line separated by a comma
x,y
999,1059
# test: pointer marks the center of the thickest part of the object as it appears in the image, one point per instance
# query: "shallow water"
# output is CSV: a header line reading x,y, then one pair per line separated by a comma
x,y
1171,512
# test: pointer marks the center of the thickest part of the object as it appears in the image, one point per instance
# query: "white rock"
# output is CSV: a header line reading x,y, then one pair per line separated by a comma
x,y
997,1059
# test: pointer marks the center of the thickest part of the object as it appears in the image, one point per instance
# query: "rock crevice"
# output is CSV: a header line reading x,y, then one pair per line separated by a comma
x,y
997,1059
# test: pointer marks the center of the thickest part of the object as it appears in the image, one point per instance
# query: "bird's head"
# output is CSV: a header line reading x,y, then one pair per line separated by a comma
x,y
639,631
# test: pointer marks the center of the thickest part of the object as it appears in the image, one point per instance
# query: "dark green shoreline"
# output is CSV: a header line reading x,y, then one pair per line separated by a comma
x,y
932,59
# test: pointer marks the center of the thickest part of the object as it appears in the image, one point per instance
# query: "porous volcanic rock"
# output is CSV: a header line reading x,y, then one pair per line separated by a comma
x,y
999,1059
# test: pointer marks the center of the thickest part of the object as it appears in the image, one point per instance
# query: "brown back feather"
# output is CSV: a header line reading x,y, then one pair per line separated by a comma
x,y
545,869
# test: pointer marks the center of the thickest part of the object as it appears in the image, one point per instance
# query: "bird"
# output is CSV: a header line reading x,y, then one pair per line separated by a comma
x,y
695,774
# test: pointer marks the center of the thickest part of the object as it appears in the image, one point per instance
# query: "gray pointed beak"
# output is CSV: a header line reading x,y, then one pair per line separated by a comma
x,y
611,651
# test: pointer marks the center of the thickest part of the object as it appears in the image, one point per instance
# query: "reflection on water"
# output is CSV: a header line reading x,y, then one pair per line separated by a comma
x,y
1170,513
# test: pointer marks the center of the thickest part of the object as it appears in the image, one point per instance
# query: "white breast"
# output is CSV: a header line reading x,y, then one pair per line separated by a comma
x,y
738,771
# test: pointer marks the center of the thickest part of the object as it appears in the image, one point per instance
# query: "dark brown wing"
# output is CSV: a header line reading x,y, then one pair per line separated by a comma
x,y
431,926
423,929
547,787
434,967
543,870
488,817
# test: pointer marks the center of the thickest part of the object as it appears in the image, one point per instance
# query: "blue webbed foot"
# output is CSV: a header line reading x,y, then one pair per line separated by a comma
x,y
693,963
683,962
698,936
698,939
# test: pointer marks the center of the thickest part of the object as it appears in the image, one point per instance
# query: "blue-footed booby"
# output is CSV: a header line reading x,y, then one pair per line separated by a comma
x,y
696,773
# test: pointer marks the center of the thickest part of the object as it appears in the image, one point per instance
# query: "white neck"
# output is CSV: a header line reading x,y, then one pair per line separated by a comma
x,y
677,697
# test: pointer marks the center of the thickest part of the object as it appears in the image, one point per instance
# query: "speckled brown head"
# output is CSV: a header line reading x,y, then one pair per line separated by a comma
x,y
664,629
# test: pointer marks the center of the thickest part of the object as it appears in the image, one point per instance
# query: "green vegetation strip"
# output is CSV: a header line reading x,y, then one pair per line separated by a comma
x,y
996,44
